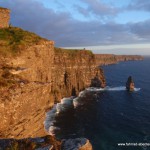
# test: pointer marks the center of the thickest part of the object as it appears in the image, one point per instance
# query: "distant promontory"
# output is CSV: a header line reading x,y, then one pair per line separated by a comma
x,y
107,59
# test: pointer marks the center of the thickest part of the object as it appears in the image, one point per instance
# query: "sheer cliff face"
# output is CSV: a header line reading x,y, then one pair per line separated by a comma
x,y
23,104
73,72
105,59
40,78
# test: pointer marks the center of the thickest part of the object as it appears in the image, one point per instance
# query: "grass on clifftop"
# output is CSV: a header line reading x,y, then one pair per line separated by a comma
x,y
13,39
4,8
72,52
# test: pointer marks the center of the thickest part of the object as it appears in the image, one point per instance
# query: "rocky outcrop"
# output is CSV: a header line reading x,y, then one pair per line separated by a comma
x,y
98,80
41,143
4,17
107,59
130,84
46,143
76,144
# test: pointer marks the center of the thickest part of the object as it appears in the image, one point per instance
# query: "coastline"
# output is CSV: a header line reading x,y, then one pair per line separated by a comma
x,y
65,96
109,59
37,77
73,105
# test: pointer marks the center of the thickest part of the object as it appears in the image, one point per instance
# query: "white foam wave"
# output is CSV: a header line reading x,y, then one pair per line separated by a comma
x,y
72,102
53,130
50,120
82,93
76,102
137,89
107,88
65,104
49,123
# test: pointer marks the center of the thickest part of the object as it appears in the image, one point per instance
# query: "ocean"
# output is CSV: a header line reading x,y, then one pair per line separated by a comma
x,y
111,118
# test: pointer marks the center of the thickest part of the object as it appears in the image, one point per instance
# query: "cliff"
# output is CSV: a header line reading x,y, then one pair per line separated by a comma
x,y
25,83
34,76
107,59
4,17
73,71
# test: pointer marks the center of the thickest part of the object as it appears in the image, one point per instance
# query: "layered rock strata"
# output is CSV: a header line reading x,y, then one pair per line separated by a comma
x,y
27,95
73,71
39,78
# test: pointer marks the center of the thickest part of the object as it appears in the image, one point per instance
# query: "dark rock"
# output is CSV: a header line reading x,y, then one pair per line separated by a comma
x,y
95,82
98,80
76,144
130,84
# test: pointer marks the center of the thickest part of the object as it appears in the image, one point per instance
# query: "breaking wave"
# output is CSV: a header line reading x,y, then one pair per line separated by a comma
x,y
65,104
107,88
72,103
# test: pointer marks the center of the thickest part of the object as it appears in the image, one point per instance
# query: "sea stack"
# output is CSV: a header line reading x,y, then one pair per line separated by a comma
x,y
130,84
99,79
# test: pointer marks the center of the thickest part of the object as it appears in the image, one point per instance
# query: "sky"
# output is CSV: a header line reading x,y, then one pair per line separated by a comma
x,y
103,26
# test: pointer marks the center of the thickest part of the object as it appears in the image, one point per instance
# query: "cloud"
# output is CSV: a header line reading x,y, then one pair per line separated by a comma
x,y
33,16
97,8
141,29
67,31
139,5
82,10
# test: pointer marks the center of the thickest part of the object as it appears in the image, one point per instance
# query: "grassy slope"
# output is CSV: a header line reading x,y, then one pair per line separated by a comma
x,y
13,40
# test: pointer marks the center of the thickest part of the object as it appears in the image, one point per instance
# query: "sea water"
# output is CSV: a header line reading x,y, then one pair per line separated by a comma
x,y
111,118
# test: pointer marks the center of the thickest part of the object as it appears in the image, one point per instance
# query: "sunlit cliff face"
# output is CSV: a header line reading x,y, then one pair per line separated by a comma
x,y
4,17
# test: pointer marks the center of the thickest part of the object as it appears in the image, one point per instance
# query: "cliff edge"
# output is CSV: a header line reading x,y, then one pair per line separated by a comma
x,y
34,76
25,82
